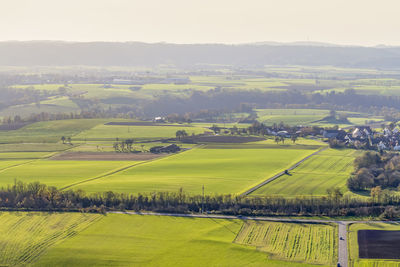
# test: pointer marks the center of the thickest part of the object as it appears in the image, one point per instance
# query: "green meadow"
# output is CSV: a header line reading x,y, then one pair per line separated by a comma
x,y
219,170
328,169
355,261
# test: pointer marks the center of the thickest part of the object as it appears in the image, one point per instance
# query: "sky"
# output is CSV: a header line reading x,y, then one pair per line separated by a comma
x,y
347,22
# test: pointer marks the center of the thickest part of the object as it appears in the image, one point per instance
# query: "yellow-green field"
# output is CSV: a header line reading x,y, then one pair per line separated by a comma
x,y
328,169
355,261
111,132
24,237
311,243
133,240
226,171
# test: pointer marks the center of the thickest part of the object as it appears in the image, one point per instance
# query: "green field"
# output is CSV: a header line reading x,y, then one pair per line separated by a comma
x,y
311,243
111,132
48,131
291,116
132,240
34,147
59,173
353,245
219,170
328,169
24,237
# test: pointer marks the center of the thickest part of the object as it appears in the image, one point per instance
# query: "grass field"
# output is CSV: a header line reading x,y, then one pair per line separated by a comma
x,y
58,173
329,169
353,245
24,237
311,243
48,131
291,116
132,240
111,132
219,170
34,147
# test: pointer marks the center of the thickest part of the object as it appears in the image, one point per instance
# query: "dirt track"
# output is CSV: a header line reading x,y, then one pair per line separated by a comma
x,y
99,156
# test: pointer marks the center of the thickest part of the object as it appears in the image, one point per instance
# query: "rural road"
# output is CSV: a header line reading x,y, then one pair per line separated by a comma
x,y
343,256
251,190
342,229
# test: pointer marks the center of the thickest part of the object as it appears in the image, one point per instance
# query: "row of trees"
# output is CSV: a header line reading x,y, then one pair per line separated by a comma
x,y
37,196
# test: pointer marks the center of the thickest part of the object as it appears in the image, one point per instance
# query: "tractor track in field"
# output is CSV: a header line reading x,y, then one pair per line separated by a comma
x,y
276,176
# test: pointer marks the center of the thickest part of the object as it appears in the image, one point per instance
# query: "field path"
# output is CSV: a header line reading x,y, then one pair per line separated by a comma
x,y
343,256
276,176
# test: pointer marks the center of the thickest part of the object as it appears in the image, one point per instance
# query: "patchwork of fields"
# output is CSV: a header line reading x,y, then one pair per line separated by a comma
x,y
329,169
76,239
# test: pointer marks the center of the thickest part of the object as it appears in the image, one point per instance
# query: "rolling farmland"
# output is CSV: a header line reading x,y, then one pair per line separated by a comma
x,y
311,243
328,169
26,236
219,170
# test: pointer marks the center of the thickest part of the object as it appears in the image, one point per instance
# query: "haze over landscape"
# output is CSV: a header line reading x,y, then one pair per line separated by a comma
x,y
193,133
356,22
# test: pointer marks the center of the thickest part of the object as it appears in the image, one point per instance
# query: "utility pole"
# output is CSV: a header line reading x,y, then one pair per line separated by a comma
x,y
202,202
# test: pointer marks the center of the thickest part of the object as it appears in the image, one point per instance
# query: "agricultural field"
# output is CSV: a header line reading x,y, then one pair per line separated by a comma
x,y
310,243
151,132
59,173
311,117
128,240
328,169
34,147
355,260
25,237
291,116
220,170
48,131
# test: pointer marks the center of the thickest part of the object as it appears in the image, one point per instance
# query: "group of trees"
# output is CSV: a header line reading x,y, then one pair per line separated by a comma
x,y
37,196
66,140
373,169
181,134
126,146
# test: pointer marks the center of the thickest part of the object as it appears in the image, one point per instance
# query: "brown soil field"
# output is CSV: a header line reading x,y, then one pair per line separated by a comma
x,y
105,156
379,244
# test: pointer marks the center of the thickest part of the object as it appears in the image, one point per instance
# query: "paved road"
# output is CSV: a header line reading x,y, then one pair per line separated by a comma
x,y
251,190
343,257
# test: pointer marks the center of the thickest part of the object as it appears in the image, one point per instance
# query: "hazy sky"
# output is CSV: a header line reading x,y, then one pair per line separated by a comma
x,y
360,22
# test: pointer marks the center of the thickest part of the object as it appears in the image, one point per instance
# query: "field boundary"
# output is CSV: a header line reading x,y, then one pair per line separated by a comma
x,y
276,176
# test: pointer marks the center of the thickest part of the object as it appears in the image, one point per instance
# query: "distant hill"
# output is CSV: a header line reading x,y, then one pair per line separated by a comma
x,y
52,53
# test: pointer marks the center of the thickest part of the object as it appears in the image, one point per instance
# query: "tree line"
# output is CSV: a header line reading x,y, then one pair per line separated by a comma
x,y
37,196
